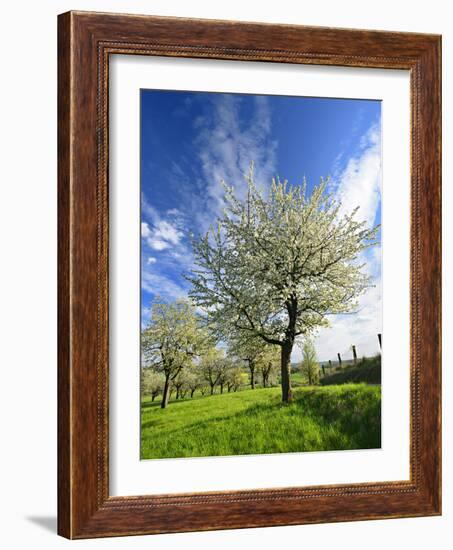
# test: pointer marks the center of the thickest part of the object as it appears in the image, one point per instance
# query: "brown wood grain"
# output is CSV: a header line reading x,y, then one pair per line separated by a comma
x,y
85,42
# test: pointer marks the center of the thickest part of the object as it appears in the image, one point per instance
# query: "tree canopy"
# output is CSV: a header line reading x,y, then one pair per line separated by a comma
x,y
173,338
309,366
276,265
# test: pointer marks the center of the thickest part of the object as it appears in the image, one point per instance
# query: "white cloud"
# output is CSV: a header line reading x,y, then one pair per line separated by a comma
x,y
160,285
174,211
146,232
167,232
359,329
359,184
162,235
227,147
148,211
158,244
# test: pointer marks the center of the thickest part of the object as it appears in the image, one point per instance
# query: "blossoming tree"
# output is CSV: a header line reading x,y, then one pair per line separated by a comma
x,y
172,340
278,263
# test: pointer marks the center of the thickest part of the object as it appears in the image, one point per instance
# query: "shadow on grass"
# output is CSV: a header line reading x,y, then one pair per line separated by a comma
x,y
156,404
357,413
203,430
252,410
367,370
352,413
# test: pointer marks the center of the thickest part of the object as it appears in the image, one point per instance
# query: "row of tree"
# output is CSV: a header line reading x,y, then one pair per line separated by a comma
x,y
211,375
180,357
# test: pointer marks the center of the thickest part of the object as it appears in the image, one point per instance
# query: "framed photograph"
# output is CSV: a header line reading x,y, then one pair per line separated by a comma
x,y
249,275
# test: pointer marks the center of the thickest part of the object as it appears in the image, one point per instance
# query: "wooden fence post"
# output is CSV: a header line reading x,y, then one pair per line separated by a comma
x,y
380,340
339,360
354,353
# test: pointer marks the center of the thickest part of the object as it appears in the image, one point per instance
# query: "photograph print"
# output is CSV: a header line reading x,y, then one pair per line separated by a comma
x,y
261,300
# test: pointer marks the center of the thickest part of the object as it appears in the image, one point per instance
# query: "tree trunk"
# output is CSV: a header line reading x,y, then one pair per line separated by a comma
x,y
354,353
192,392
166,393
287,394
221,388
252,374
212,389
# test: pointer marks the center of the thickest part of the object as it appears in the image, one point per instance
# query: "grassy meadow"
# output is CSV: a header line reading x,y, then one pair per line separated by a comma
x,y
326,418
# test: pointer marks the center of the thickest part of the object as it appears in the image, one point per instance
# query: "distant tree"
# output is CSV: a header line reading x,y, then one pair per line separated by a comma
x,y
269,364
236,378
194,381
277,265
309,366
181,384
260,358
173,338
224,369
152,382
249,350
212,367
227,368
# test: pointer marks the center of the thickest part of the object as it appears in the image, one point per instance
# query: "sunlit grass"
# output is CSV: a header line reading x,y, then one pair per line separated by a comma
x,y
256,422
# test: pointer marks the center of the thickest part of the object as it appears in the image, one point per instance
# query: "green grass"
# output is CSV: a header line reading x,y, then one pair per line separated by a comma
x,y
368,370
256,422
297,379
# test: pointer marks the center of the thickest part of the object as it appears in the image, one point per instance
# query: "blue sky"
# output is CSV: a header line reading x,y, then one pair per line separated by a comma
x,y
191,141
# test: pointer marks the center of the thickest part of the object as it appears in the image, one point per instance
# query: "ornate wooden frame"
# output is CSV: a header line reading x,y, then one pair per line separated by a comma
x,y
85,42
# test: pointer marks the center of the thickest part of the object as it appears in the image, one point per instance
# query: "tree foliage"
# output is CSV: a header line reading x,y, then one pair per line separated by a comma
x,y
258,356
277,265
249,349
213,367
151,382
309,365
236,377
174,337
269,363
